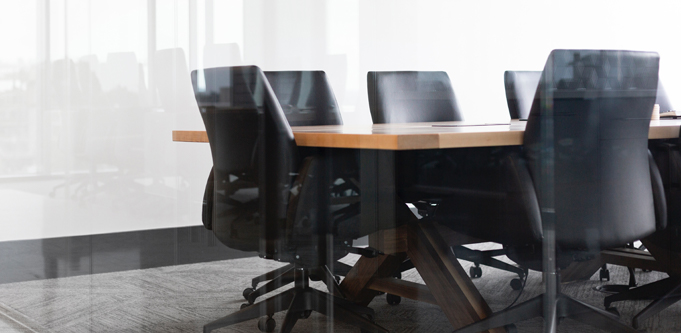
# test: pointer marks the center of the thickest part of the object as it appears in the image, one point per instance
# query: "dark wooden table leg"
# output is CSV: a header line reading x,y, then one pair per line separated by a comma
x,y
356,284
453,290
447,283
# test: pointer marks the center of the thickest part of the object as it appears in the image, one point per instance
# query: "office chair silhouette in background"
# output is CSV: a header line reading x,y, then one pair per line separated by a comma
x,y
520,89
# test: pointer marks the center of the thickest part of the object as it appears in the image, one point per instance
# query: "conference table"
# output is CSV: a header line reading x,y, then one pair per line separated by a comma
x,y
427,245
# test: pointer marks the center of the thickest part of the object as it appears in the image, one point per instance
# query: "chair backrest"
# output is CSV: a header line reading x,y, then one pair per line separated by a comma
x,y
305,97
662,99
520,89
404,97
586,142
667,155
254,156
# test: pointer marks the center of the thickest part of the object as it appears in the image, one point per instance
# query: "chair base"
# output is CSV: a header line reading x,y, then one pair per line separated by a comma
x,y
567,307
284,275
486,258
664,293
270,275
615,288
300,301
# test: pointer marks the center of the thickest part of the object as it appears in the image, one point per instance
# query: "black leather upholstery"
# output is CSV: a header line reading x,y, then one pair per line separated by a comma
x,y
268,199
585,144
668,159
665,243
521,87
597,123
307,100
405,97
254,155
305,97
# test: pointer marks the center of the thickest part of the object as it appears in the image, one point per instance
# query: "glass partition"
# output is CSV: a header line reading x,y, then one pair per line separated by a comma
x,y
96,194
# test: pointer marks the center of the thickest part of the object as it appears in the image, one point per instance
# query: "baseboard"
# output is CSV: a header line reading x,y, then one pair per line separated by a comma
x,y
38,259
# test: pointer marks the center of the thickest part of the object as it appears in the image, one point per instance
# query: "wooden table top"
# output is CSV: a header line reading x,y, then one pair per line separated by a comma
x,y
421,135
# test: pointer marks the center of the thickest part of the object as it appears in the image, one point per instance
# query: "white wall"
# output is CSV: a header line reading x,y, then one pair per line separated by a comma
x,y
85,122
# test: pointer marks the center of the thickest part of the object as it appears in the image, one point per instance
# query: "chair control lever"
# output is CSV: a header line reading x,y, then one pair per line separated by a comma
x,y
368,252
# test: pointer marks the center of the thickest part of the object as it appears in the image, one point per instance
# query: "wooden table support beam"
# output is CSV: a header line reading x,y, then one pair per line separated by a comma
x,y
448,282
356,284
411,290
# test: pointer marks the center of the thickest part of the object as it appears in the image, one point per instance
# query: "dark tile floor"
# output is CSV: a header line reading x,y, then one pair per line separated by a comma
x,y
27,260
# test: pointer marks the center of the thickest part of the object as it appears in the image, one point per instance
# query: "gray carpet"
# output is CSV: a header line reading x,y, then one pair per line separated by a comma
x,y
183,298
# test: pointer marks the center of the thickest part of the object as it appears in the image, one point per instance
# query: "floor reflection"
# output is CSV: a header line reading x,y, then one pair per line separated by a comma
x,y
28,260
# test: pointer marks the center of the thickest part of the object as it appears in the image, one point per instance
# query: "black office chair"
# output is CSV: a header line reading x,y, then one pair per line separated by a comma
x,y
665,244
584,176
522,85
307,100
396,97
520,89
306,97
271,201
663,148
408,97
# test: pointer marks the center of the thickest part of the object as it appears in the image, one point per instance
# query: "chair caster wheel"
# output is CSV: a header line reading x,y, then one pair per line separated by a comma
x,y
305,314
393,299
247,292
267,324
613,310
511,328
604,274
475,272
245,305
516,284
